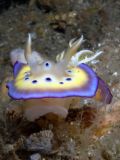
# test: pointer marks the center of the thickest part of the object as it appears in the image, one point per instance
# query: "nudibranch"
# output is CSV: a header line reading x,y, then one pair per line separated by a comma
x,y
52,86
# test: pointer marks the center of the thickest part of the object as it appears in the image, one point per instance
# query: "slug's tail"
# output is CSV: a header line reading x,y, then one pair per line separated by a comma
x,y
103,93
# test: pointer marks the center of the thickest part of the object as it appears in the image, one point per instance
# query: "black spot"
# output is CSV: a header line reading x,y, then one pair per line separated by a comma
x,y
47,64
26,78
69,71
34,81
68,79
61,83
48,79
